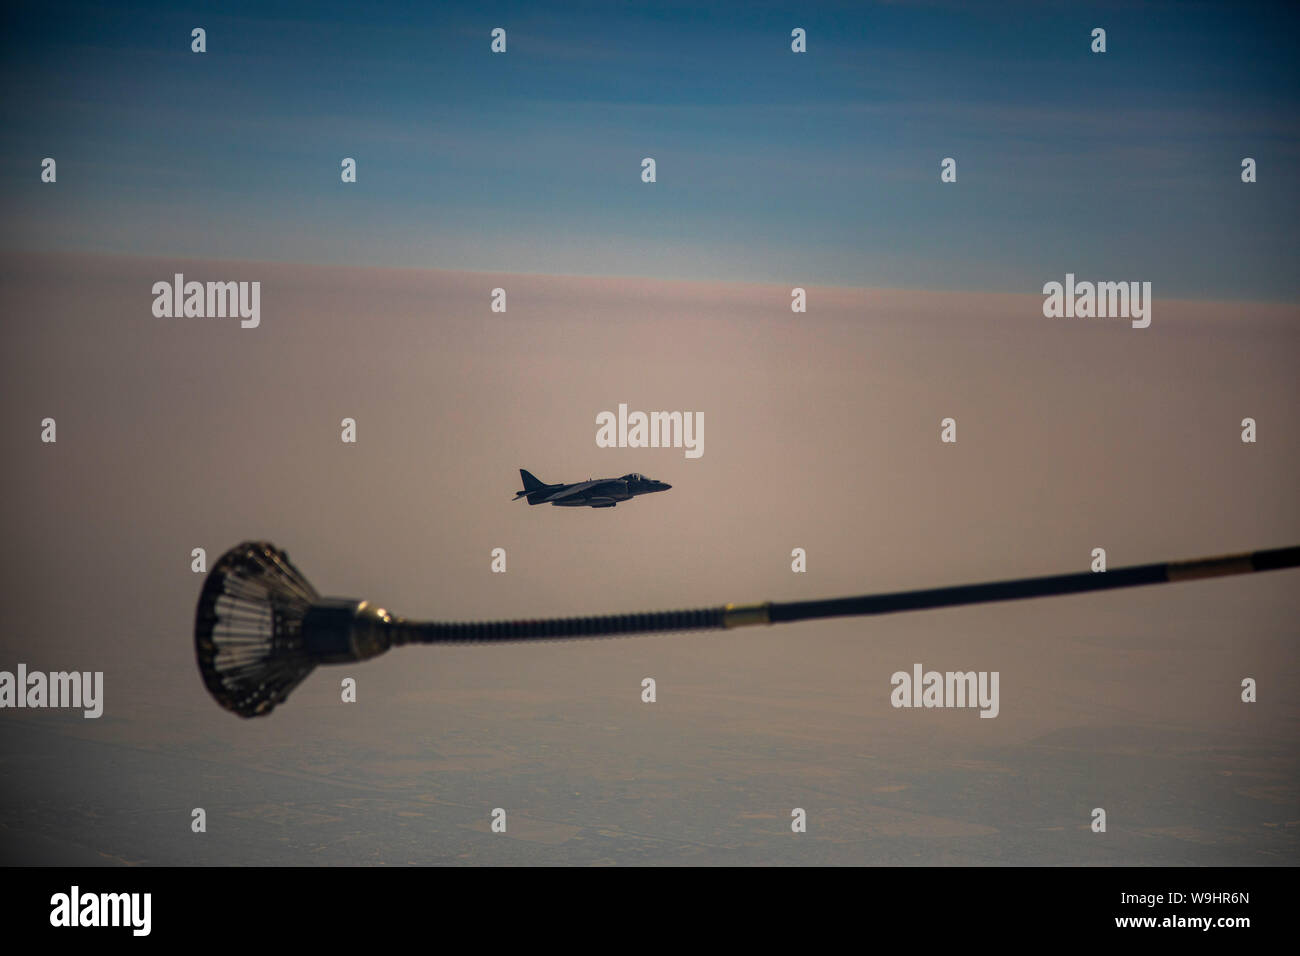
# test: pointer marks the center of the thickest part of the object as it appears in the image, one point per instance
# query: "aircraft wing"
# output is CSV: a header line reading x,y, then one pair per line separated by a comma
x,y
572,490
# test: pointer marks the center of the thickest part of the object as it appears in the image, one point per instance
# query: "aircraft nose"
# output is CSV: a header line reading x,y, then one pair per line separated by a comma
x,y
665,484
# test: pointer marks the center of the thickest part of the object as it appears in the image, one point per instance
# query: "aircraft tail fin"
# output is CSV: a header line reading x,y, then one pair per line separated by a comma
x,y
533,487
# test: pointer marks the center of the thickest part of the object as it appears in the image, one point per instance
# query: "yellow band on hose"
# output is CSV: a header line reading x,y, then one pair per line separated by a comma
x,y
1210,567
741,615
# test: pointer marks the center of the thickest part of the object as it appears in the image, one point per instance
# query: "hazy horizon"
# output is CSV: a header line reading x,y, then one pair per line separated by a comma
x,y
822,432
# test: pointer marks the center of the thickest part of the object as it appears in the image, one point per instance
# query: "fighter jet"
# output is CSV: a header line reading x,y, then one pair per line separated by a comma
x,y
592,493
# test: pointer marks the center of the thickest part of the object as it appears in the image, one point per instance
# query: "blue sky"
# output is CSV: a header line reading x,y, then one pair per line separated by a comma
x,y
814,168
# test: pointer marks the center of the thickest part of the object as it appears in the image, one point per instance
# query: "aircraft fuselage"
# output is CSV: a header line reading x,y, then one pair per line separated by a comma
x,y
593,493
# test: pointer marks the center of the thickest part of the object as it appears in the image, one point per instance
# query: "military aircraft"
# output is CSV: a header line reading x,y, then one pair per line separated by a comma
x,y
593,493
